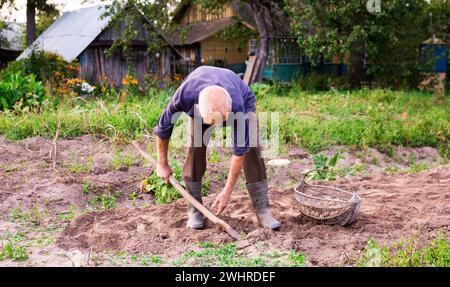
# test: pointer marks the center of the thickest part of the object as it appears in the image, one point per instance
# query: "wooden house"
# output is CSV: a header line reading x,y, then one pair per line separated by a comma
x,y
200,43
87,34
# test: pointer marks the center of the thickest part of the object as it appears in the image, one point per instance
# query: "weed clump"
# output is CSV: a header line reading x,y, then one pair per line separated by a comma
x,y
407,254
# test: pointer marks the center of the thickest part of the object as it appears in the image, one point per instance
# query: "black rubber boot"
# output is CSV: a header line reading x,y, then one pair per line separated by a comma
x,y
260,198
195,218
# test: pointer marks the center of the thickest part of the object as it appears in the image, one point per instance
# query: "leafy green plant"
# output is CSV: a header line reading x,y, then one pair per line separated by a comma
x,y
85,188
15,253
21,92
46,67
133,195
214,156
324,167
297,259
164,193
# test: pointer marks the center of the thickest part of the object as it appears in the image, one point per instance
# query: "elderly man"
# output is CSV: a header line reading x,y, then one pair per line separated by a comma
x,y
209,95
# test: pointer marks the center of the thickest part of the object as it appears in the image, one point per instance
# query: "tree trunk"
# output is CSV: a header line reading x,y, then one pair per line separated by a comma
x,y
31,22
260,20
356,68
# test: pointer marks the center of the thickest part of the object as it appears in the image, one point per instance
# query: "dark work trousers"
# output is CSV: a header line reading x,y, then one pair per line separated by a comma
x,y
195,163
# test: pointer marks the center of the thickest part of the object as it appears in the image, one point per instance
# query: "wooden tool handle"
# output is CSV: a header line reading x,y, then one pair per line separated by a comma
x,y
230,230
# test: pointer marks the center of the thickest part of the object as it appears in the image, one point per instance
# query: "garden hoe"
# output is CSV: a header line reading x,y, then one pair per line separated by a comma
x,y
230,230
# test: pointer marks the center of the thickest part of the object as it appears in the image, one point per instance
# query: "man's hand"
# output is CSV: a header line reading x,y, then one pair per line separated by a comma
x,y
164,172
163,169
221,201
223,198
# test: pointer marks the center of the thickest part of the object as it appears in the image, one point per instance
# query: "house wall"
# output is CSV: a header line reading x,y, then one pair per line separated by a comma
x,y
191,52
214,48
97,66
196,14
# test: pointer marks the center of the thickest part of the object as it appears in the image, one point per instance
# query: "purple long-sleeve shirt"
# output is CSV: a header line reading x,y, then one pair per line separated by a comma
x,y
186,97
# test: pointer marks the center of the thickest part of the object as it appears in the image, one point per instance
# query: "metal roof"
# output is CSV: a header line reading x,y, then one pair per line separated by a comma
x,y
71,34
12,34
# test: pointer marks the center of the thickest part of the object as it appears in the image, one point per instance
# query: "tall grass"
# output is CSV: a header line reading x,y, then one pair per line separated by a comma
x,y
376,118
118,120
312,120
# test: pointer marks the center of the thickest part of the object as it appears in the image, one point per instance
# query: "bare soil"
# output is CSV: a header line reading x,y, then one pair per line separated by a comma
x,y
394,207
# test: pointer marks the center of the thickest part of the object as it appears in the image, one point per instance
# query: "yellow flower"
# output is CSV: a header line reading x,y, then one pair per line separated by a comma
x,y
75,81
73,67
129,80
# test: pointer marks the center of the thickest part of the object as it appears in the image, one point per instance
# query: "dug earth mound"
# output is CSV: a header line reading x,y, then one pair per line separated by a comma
x,y
393,208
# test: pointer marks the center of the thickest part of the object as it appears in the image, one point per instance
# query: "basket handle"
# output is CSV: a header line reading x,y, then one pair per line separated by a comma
x,y
330,171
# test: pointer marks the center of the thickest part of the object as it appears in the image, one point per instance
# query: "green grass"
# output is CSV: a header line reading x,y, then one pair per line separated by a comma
x,y
418,167
227,255
34,216
121,161
67,215
361,118
392,169
104,201
145,260
82,167
407,254
312,120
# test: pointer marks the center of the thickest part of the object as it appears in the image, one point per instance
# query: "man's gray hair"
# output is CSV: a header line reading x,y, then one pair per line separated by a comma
x,y
205,107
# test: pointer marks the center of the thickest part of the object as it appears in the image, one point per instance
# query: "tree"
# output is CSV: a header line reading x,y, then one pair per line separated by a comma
x,y
387,39
156,13
440,19
32,7
268,16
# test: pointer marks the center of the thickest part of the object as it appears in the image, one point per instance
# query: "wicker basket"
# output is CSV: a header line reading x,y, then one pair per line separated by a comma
x,y
327,205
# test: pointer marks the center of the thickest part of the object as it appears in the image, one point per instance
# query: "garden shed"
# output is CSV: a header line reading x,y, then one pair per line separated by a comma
x,y
86,35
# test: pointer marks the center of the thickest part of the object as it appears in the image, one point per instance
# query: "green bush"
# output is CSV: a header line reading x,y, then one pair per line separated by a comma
x,y
43,65
20,91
